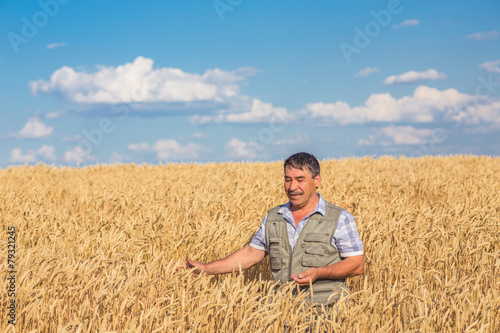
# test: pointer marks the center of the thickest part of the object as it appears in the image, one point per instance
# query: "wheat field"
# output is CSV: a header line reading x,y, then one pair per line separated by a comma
x,y
97,247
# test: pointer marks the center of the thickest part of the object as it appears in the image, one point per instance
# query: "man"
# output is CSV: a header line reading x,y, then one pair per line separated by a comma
x,y
310,241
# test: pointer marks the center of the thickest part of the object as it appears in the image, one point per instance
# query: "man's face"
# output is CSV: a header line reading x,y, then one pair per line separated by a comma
x,y
300,187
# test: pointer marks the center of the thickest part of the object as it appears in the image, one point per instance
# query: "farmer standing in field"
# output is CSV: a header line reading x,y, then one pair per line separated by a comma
x,y
309,240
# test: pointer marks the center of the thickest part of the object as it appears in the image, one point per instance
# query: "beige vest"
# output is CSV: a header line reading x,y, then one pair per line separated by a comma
x,y
313,249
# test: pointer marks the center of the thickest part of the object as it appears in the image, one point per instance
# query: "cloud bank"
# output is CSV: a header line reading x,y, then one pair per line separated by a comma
x,y
139,82
491,66
398,135
258,111
423,107
414,76
45,153
169,150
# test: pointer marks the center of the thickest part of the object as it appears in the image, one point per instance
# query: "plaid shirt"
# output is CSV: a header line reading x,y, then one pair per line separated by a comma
x,y
345,238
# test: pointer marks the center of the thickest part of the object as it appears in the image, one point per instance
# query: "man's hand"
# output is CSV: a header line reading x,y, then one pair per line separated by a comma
x,y
200,267
348,267
243,258
306,277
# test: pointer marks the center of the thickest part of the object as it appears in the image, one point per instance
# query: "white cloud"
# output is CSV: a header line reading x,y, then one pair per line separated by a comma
x,y
198,135
407,23
139,82
172,150
484,35
399,135
424,106
299,138
367,71
77,156
118,158
56,114
16,156
44,153
406,135
236,148
258,112
414,76
47,152
483,113
169,149
142,146
371,141
34,128
491,66
55,45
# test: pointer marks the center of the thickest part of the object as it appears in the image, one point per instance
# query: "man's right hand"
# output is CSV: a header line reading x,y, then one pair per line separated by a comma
x,y
200,267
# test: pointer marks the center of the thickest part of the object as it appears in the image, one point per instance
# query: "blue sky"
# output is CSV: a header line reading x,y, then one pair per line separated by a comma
x,y
85,82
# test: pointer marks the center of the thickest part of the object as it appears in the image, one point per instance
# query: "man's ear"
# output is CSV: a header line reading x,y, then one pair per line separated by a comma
x,y
317,181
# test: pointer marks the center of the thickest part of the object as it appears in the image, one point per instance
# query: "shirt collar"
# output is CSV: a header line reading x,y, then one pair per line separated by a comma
x,y
320,207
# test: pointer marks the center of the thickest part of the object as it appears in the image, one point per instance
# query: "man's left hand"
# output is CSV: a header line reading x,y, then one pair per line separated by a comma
x,y
308,276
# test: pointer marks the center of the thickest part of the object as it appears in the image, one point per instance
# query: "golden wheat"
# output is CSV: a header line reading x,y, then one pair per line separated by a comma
x,y
97,247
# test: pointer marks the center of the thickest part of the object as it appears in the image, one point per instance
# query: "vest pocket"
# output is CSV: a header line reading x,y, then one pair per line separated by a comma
x,y
274,254
315,248
316,237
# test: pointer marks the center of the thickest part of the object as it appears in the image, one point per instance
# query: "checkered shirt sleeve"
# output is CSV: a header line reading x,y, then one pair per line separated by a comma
x,y
259,239
346,237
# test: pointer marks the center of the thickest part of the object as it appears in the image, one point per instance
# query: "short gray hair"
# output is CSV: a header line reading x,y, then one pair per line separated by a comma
x,y
301,161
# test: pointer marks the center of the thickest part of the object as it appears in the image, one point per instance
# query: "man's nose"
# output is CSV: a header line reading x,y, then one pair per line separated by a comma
x,y
293,186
